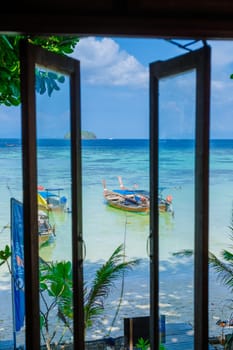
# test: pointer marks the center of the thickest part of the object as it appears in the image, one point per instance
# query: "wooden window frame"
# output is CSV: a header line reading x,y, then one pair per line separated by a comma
x,y
200,61
29,57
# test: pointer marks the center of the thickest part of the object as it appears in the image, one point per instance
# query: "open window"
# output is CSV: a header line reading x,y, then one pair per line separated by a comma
x,y
167,77
39,67
57,79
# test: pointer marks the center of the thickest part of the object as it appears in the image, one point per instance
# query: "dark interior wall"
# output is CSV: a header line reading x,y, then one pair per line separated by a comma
x,y
161,18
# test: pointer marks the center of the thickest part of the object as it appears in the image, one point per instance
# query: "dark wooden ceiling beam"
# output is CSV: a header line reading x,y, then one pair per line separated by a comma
x,y
180,25
161,18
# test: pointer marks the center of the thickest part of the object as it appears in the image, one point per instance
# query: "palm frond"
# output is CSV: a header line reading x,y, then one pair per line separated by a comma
x,y
104,280
224,270
228,256
184,253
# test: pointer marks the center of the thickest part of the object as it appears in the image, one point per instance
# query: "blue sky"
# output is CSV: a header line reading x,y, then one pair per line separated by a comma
x,y
115,92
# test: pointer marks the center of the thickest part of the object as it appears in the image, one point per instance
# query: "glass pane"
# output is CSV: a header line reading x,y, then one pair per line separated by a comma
x,y
220,241
54,201
11,230
176,208
110,222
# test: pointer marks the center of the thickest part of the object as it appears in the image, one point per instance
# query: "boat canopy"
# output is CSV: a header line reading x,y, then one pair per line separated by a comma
x,y
132,192
48,192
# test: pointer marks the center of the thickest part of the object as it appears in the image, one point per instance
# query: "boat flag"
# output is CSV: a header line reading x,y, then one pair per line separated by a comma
x,y
17,263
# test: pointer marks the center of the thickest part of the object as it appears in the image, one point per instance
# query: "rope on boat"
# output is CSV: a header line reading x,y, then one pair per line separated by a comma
x,y
9,189
4,228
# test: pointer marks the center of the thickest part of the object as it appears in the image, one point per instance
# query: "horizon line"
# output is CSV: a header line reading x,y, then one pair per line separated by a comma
x,y
115,138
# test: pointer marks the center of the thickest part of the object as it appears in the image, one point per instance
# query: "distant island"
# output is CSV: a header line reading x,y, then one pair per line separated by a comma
x,y
86,135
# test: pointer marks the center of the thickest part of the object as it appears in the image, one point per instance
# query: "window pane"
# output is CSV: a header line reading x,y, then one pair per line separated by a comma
x,y
54,201
176,207
11,229
106,228
220,301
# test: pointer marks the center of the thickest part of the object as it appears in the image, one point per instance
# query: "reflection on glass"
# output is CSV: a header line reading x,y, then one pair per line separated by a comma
x,y
54,201
176,192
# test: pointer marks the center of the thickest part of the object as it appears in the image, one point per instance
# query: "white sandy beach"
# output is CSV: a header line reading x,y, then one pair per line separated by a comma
x,y
176,300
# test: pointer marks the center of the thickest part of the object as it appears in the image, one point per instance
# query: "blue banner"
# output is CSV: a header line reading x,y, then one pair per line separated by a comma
x,y
17,263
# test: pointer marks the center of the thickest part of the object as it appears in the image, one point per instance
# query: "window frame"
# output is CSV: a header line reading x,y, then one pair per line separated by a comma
x,y
31,55
200,61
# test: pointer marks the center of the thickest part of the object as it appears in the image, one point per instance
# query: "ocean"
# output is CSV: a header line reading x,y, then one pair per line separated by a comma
x,y
105,228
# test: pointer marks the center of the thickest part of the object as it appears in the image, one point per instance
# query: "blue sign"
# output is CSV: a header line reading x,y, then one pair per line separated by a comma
x,y
17,263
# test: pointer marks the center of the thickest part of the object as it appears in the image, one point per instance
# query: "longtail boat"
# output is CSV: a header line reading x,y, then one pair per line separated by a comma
x,y
128,202
134,200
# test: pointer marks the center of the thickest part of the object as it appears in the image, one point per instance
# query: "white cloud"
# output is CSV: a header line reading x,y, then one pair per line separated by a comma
x,y
222,52
218,85
222,92
103,62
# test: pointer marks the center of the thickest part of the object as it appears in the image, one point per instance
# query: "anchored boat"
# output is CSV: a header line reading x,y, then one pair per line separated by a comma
x,y
53,198
134,200
128,202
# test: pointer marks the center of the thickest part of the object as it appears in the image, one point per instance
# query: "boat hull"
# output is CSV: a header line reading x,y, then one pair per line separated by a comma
x,y
127,203
134,203
45,229
43,238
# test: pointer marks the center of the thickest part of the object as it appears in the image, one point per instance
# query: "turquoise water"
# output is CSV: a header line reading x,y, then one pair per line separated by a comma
x,y
107,159
105,228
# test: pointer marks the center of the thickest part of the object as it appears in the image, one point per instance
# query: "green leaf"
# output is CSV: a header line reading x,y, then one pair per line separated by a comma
x,y
5,254
43,286
4,37
13,101
61,79
162,347
52,75
42,86
42,321
10,66
49,86
142,344
56,289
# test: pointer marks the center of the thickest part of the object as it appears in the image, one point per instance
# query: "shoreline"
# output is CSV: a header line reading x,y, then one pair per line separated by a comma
x,y
176,300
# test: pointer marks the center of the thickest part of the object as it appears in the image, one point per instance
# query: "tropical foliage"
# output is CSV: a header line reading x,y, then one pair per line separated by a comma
x,y
56,293
106,275
224,267
142,344
5,255
10,65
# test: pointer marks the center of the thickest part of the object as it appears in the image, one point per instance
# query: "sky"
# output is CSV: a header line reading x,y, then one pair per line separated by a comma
x,y
115,92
